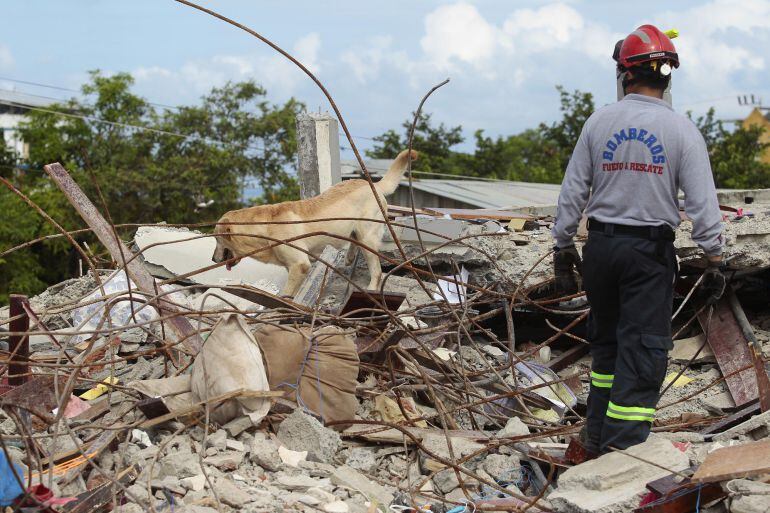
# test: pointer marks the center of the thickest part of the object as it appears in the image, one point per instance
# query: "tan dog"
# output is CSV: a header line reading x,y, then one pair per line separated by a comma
x,y
349,199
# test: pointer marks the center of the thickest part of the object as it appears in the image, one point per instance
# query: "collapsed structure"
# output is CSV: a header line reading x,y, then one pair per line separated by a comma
x,y
460,385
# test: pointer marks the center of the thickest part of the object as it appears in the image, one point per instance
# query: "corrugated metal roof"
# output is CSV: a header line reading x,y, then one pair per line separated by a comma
x,y
481,193
24,99
491,194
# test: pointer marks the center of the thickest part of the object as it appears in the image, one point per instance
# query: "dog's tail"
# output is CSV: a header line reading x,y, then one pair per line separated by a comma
x,y
390,181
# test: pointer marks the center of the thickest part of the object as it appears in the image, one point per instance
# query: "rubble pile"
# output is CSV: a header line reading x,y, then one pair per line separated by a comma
x,y
460,385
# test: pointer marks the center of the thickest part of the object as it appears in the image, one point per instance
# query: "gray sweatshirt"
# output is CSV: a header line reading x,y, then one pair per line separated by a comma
x,y
632,157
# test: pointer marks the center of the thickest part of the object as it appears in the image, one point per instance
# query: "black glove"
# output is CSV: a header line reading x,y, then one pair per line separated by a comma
x,y
565,261
713,284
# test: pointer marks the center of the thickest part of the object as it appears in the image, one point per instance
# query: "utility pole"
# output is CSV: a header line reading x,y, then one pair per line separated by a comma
x,y
318,153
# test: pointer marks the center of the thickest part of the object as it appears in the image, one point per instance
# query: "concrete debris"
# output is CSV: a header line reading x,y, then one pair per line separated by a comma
x,y
302,432
180,464
414,372
291,458
230,460
503,468
615,482
361,458
748,496
348,477
231,494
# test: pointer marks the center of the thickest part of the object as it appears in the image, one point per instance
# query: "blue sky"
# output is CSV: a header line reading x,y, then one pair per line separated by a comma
x,y
379,58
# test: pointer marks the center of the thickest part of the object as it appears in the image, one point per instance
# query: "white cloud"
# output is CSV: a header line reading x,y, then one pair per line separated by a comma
x,y
6,58
717,41
270,70
366,62
459,32
549,27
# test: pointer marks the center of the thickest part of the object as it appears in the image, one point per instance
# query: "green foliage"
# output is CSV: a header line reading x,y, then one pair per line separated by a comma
x,y
735,155
576,108
168,170
434,144
20,271
534,155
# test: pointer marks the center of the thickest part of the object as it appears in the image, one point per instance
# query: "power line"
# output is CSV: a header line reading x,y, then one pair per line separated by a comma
x,y
59,88
125,125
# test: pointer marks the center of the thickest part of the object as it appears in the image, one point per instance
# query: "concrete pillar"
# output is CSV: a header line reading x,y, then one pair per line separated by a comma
x,y
318,153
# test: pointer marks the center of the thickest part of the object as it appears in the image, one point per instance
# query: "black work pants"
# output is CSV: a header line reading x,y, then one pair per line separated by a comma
x,y
629,284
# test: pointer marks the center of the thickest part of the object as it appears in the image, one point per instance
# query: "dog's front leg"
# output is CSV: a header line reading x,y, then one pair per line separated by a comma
x,y
297,273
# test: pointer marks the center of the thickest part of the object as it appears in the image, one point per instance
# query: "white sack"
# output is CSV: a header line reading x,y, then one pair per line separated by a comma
x,y
231,360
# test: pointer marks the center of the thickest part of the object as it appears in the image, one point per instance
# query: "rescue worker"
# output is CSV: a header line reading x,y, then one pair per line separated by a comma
x,y
630,161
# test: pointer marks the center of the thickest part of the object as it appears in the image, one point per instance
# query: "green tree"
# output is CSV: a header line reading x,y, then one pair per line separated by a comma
x,y
576,108
525,157
434,143
183,165
734,155
534,155
20,271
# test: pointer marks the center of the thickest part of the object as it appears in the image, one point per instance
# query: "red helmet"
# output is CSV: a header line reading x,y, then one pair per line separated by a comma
x,y
645,44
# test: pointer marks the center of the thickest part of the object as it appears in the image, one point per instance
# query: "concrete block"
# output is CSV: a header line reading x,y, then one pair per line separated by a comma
x,y
514,427
238,425
318,153
615,482
302,432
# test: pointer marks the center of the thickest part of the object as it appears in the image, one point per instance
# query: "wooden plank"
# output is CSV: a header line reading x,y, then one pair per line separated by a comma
x,y
134,269
732,352
734,462
397,211
683,500
477,213
732,420
96,499
568,357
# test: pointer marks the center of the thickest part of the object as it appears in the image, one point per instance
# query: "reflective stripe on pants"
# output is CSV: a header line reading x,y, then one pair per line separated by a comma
x,y
630,412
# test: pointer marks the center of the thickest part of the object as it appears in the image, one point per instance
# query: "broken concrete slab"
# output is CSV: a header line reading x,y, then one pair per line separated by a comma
x,y
437,444
614,482
181,252
302,432
297,482
349,477
238,425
